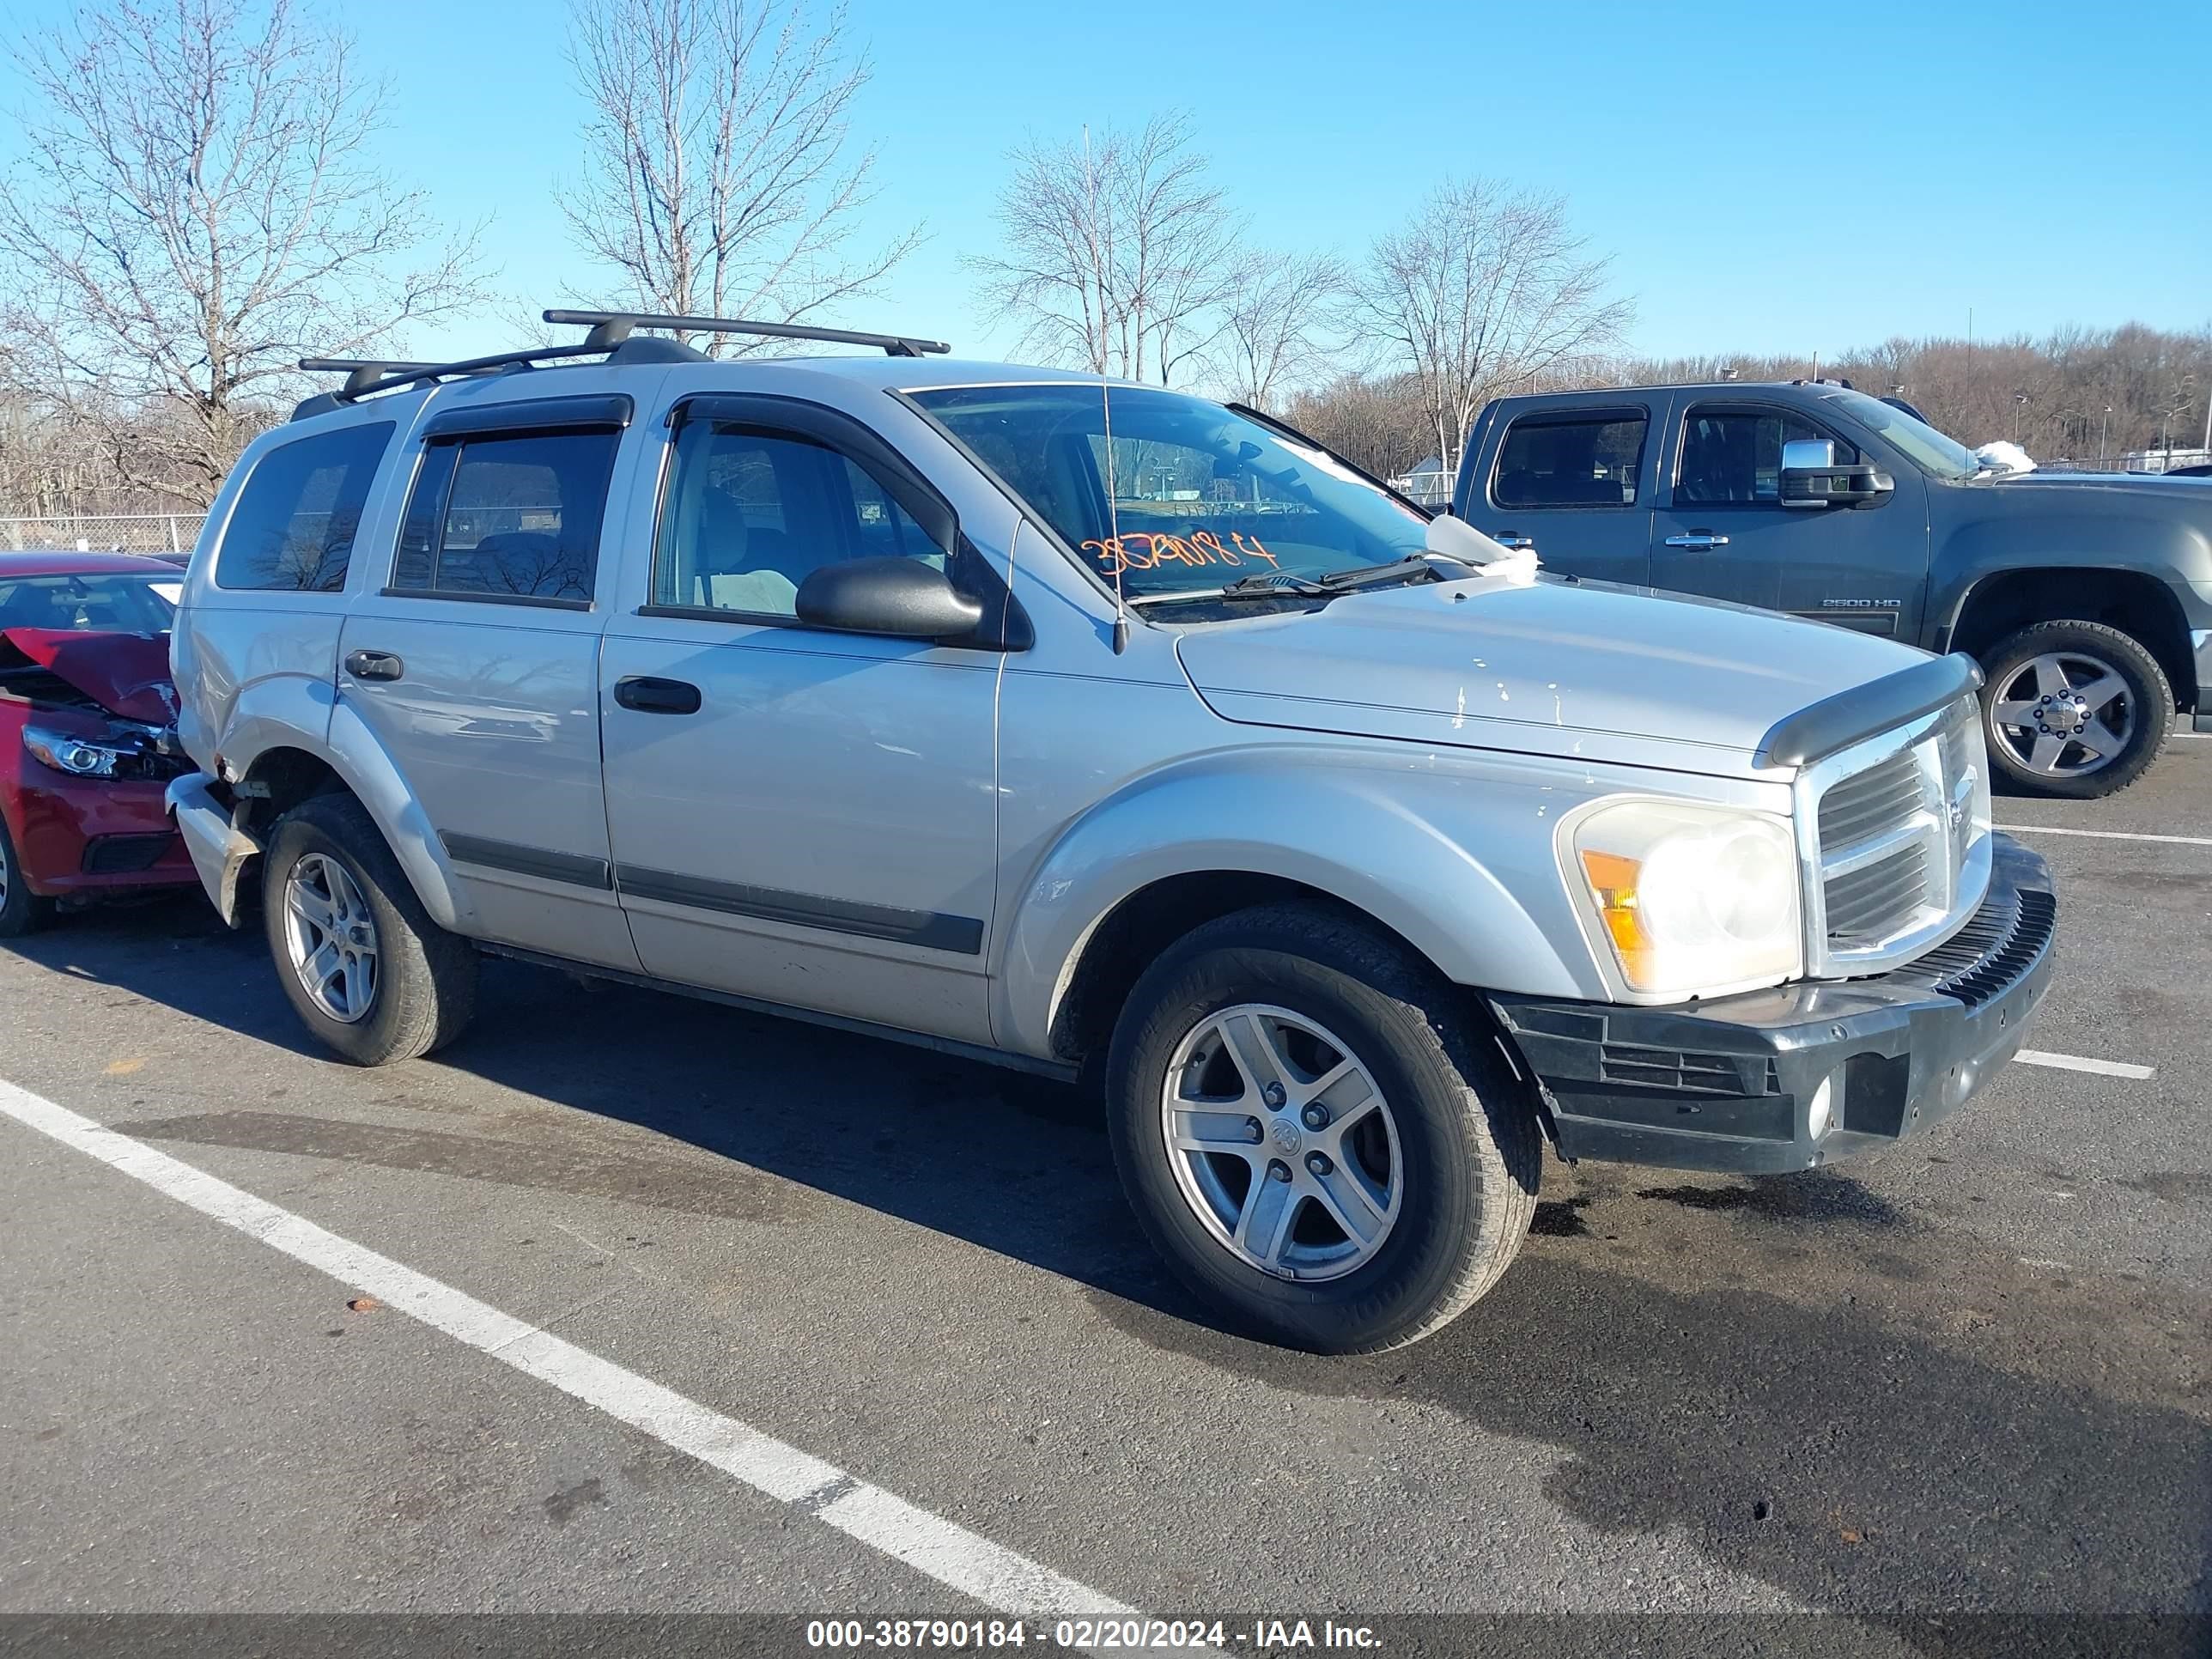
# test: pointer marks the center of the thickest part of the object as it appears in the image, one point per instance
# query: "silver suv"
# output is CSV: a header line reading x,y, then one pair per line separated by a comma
x,y
1091,728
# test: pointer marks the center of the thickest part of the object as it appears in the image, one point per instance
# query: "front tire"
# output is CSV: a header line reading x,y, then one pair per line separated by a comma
x,y
22,911
1394,1170
360,959
2074,709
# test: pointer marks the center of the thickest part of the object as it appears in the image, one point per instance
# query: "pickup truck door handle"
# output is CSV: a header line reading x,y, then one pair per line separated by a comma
x,y
1513,539
1699,540
653,696
373,665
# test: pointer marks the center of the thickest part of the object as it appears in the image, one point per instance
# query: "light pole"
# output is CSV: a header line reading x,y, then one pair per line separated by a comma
x,y
2104,434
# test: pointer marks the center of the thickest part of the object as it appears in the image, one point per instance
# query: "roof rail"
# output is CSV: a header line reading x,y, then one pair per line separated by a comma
x,y
610,338
610,328
362,373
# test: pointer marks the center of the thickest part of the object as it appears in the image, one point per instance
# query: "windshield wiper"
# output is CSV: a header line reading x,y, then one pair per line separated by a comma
x,y
1284,583
1375,575
1272,585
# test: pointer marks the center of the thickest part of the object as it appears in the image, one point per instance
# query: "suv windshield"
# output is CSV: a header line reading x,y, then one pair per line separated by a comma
x,y
1201,495
95,601
1946,458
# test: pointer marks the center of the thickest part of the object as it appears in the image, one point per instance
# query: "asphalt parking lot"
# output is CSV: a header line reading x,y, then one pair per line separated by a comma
x,y
804,1324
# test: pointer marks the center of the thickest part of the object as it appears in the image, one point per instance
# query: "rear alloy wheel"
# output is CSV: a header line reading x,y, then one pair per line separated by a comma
x,y
360,959
2074,709
21,910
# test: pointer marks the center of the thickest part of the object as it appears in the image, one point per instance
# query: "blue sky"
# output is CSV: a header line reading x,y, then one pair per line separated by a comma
x,y
1769,177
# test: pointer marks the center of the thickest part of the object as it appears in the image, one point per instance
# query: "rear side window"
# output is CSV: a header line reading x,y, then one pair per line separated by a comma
x,y
1733,457
294,526
508,517
1585,460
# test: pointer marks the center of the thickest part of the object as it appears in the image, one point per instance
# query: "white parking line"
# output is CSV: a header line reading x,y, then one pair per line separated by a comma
x,y
965,1561
2103,835
2082,1063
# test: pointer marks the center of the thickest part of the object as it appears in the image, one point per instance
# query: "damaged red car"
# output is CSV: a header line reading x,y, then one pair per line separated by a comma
x,y
87,732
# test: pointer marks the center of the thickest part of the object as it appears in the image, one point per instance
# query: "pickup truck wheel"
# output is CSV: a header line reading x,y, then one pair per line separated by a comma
x,y
1314,1133
21,910
373,976
2074,709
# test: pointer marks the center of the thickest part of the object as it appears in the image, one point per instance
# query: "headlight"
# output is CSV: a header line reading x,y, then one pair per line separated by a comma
x,y
1693,900
108,754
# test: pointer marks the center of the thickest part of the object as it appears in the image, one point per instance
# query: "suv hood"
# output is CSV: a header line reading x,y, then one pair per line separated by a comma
x,y
1553,667
126,674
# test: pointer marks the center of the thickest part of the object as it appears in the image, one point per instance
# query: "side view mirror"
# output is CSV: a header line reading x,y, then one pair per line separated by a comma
x,y
900,596
1812,477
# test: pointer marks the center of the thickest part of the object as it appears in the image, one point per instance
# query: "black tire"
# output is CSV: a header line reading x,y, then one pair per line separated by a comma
x,y
22,911
2149,702
1471,1148
426,986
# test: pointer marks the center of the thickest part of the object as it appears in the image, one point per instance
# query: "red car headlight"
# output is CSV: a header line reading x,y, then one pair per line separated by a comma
x,y
117,752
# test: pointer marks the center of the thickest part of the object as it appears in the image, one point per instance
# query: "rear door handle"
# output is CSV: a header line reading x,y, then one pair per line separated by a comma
x,y
1513,539
651,696
1699,540
373,665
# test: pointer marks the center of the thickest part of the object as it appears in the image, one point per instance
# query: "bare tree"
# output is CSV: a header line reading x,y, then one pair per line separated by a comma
x,y
1483,288
1273,317
1118,251
716,178
196,206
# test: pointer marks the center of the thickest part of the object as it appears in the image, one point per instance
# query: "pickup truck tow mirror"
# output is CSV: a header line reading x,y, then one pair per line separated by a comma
x,y
1812,477
900,596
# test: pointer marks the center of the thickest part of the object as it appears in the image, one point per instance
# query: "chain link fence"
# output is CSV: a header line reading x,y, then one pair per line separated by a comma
x,y
126,532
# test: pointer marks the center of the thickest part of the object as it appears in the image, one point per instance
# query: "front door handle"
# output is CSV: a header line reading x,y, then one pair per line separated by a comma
x,y
373,665
1513,539
1697,540
653,696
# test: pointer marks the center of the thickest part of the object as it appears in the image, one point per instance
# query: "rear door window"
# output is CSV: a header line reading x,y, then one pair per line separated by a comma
x,y
294,526
501,517
1570,460
1733,457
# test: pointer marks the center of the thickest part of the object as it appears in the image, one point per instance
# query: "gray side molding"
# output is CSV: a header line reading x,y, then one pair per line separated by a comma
x,y
1835,723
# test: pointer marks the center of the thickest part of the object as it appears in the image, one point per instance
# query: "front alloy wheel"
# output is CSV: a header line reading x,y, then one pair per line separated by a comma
x,y
1282,1143
1318,1131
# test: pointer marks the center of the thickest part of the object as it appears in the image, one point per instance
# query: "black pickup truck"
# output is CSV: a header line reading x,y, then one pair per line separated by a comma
x,y
2085,596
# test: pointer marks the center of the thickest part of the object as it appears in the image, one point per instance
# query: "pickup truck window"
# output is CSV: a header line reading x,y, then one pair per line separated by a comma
x,y
1201,497
1733,457
508,518
294,524
1944,458
750,514
1570,460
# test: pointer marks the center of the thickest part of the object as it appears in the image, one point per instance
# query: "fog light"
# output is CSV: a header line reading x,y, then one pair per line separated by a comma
x,y
1816,1114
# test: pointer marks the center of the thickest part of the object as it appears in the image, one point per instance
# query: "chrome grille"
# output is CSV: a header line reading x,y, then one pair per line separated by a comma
x,y
1901,848
1869,802
1866,906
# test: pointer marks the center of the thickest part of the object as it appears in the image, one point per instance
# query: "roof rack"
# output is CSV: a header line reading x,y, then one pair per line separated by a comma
x,y
615,326
610,337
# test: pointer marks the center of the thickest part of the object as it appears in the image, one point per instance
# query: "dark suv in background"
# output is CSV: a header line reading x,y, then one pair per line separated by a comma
x,y
2086,598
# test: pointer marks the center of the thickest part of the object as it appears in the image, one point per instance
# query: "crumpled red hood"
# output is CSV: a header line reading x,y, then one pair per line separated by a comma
x,y
127,674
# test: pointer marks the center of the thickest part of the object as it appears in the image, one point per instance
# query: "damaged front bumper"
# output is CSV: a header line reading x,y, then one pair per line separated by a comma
x,y
220,850
1802,1074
